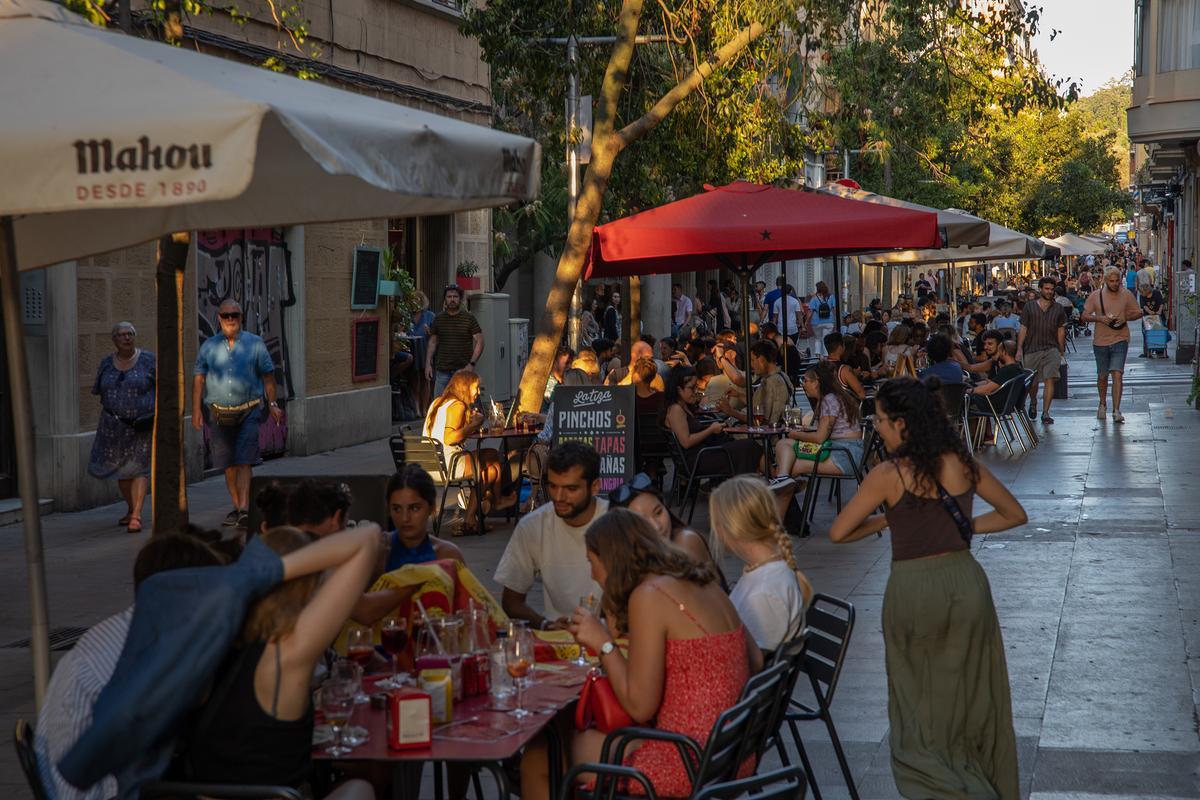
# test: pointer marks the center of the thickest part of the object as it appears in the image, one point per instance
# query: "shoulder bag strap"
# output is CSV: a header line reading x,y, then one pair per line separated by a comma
x,y
966,527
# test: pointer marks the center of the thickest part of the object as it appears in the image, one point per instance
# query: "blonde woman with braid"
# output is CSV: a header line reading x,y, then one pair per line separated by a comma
x,y
772,593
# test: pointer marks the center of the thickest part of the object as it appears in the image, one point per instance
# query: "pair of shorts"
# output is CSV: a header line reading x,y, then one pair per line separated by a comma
x,y
234,445
1110,357
1044,363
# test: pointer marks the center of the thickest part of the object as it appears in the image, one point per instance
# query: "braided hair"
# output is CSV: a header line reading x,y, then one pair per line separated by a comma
x,y
927,432
743,509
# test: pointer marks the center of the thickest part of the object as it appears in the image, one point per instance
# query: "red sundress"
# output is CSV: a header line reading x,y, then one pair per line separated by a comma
x,y
704,677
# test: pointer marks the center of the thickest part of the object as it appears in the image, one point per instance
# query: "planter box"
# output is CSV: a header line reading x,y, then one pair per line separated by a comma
x,y
467,284
389,288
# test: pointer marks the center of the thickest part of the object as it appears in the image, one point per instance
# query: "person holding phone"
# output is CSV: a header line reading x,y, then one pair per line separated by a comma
x,y
1111,309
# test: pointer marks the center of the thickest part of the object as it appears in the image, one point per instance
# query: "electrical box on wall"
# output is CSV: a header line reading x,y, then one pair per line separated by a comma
x,y
492,312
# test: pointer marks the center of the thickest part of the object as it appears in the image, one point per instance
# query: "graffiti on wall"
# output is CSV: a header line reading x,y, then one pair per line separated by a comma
x,y
253,267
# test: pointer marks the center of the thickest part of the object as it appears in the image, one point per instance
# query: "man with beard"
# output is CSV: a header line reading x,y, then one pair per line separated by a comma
x,y
548,542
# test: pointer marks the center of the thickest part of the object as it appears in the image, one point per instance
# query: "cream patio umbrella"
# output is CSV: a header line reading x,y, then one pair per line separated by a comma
x,y
1072,245
109,140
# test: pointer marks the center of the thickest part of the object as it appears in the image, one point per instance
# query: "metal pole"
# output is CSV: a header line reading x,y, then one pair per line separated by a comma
x,y
22,417
744,274
574,333
837,294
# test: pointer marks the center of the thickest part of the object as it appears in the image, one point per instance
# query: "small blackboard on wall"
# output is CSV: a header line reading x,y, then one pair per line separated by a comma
x,y
364,349
364,290
603,417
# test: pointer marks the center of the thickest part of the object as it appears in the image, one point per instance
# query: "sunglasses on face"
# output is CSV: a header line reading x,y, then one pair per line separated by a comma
x,y
230,315
630,489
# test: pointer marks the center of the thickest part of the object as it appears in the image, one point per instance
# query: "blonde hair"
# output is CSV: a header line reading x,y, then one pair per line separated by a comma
x,y
274,615
1111,270
743,509
587,363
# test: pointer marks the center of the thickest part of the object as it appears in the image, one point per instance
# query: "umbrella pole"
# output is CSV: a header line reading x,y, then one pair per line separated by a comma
x,y
744,276
837,293
22,417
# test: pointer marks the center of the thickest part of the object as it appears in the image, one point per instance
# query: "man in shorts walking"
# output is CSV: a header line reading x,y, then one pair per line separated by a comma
x,y
234,375
1041,341
1112,308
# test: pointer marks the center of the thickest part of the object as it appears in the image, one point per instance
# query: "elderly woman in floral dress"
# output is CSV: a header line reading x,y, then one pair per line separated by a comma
x,y
125,382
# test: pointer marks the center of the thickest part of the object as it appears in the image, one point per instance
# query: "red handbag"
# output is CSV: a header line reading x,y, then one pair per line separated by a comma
x,y
599,707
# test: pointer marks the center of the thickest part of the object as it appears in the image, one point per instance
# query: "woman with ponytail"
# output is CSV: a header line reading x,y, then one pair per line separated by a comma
x,y
948,693
772,593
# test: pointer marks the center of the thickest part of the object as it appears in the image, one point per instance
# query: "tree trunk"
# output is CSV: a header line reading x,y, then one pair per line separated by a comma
x,y
168,484
607,143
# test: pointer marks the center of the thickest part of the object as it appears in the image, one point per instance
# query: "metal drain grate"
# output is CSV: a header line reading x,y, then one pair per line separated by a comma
x,y
60,639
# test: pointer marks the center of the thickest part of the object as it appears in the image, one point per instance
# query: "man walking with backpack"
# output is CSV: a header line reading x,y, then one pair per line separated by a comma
x,y
822,316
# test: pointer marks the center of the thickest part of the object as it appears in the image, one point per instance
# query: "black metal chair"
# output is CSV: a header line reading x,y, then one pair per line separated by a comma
x,y
999,407
653,449
812,490
412,448
692,475
23,742
954,399
788,783
830,624
716,762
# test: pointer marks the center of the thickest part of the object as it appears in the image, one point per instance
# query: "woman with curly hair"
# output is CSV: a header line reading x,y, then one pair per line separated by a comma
x,y
948,693
689,655
837,413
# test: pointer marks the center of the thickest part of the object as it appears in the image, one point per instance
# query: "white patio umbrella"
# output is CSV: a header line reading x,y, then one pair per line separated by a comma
x,y
1072,245
107,141
1004,244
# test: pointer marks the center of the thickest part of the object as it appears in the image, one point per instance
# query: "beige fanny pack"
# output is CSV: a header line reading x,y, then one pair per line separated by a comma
x,y
230,416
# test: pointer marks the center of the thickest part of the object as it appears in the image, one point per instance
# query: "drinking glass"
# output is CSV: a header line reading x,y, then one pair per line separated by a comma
x,y
351,673
393,632
358,645
518,661
591,604
337,702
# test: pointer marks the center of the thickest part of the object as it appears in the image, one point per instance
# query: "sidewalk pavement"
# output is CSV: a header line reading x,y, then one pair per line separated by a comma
x,y
1098,596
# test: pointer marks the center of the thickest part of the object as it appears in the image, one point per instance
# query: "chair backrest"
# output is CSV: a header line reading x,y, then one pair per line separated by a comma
x,y
953,396
651,439
676,449
830,623
769,689
425,451
782,784
399,452
725,749
1015,397
27,757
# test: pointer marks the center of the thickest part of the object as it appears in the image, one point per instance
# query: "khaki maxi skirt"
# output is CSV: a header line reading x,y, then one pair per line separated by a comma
x,y
948,694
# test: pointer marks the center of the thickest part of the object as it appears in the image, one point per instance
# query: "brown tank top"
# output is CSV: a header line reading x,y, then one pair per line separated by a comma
x,y
921,527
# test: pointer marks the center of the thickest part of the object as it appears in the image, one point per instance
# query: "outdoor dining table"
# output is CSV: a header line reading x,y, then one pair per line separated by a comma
x,y
479,735
505,436
765,433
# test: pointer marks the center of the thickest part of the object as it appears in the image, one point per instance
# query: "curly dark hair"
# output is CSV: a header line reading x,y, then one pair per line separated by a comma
x,y
630,550
927,432
826,377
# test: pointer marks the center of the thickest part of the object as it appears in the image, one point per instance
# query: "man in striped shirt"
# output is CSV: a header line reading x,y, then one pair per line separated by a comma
x,y
86,669
1041,340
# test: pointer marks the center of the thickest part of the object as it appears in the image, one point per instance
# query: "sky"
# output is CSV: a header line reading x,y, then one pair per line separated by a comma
x,y
1094,43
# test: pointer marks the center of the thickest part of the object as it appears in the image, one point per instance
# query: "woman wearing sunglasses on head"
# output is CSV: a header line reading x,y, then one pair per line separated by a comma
x,y
640,496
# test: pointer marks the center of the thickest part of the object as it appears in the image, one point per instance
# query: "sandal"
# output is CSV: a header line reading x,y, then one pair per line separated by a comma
x,y
135,525
123,521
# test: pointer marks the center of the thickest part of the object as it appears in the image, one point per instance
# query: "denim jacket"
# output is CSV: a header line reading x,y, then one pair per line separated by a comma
x,y
184,623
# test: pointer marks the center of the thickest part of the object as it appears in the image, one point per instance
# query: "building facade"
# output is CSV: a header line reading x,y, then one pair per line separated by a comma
x,y
1165,117
294,283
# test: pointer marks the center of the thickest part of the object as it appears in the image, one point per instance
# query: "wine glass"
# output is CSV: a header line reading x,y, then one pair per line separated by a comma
x,y
518,661
393,632
358,646
337,702
351,673
591,604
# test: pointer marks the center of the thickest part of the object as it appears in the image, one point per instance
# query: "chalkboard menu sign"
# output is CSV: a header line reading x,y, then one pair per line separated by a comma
x,y
364,349
602,416
364,289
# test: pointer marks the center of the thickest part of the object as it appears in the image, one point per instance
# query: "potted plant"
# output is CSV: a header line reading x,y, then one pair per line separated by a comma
x,y
389,280
468,275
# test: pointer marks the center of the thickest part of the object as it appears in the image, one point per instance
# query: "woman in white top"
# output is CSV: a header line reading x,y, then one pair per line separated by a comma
x,y
451,420
772,593
897,346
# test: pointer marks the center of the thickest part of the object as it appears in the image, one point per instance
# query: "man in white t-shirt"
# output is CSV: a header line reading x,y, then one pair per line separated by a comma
x,y
683,308
786,312
548,543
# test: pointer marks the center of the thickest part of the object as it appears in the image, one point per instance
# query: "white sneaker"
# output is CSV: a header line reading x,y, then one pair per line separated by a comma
x,y
1118,416
780,483
1101,411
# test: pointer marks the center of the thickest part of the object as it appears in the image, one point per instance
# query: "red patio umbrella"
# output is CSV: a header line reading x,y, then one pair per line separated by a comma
x,y
743,225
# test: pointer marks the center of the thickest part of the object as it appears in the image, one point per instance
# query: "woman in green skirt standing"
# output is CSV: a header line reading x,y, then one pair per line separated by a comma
x,y
948,695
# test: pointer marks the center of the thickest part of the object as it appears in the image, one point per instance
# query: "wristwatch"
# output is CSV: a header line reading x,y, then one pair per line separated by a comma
x,y
607,647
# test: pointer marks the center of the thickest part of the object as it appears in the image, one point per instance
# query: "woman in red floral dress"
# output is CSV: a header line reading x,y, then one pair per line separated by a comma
x,y
688,659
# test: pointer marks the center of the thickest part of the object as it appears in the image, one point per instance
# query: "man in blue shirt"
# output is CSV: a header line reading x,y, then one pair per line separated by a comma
x,y
941,366
233,374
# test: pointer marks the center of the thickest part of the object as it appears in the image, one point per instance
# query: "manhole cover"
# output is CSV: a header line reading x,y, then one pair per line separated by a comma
x,y
60,639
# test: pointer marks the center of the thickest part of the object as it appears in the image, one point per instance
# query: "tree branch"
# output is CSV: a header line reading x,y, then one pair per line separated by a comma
x,y
650,120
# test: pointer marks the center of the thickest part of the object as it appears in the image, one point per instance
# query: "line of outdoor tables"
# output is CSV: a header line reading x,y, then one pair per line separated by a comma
x,y
480,735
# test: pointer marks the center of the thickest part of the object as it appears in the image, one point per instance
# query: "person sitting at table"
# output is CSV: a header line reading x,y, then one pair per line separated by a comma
x,y
256,725
837,423
451,420
319,507
272,501
835,349
898,347
640,496
689,654
411,497
587,363
774,392
693,435
647,399
941,365
562,362
548,542
772,593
